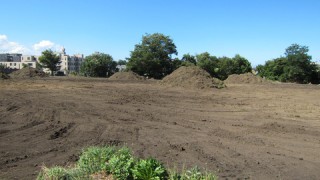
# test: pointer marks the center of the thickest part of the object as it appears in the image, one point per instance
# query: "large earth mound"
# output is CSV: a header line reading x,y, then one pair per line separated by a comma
x,y
126,76
247,78
27,73
191,77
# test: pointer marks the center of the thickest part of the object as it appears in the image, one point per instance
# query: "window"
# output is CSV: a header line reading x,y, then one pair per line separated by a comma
x,y
28,58
30,64
15,64
10,64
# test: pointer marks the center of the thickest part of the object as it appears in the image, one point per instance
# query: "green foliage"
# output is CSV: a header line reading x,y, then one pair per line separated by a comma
x,y
98,65
191,174
94,159
3,74
153,56
50,60
222,67
121,164
189,59
122,62
296,66
53,173
149,169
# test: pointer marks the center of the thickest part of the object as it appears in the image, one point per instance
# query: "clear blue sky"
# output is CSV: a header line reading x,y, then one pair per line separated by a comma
x,y
256,29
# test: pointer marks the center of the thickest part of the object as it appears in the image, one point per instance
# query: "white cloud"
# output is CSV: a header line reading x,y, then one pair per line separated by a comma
x,y
7,46
45,44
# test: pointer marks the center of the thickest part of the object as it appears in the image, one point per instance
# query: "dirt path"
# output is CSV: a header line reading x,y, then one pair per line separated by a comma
x,y
243,131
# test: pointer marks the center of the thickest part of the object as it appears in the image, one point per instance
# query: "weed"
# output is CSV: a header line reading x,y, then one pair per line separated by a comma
x,y
94,159
121,163
149,169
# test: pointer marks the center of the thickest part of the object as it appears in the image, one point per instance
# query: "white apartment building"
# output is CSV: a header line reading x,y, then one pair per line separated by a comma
x,y
18,61
70,63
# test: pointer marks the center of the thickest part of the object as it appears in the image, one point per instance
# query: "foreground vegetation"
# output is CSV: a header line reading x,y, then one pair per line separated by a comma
x,y
119,163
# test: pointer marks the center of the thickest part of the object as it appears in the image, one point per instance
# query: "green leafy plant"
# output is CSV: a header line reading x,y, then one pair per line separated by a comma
x,y
94,159
53,173
149,169
121,163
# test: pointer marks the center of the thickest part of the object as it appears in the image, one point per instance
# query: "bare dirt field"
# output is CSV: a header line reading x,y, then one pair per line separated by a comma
x,y
244,131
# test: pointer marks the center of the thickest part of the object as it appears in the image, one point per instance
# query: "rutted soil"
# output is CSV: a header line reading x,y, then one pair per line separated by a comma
x,y
268,131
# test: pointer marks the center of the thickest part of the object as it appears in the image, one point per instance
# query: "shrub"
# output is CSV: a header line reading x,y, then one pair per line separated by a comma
x,y
121,163
53,173
149,169
94,159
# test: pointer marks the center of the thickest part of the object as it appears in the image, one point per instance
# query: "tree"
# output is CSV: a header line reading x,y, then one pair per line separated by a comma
x,y
208,63
189,58
153,56
241,65
122,62
98,65
296,66
50,60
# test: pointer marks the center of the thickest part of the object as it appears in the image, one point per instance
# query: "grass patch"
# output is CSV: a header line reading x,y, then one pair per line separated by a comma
x,y
119,164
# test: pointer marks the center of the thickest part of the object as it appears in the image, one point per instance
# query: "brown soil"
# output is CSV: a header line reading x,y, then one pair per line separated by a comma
x,y
126,76
27,73
247,78
191,77
268,131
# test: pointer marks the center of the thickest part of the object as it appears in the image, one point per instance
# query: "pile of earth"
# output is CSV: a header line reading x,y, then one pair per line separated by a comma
x,y
126,76
27,72
247,78
191,77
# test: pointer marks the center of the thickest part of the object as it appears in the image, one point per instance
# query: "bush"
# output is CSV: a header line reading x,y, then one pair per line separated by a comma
x,y
149,169
94,159
3,74
121,163
98,65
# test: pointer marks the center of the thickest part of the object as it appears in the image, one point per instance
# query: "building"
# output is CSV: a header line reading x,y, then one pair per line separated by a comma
x,y
17,61
68,63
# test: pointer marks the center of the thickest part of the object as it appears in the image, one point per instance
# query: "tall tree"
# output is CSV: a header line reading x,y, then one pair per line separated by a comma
x,y
50,60
153,56
296,66
98,65
189,58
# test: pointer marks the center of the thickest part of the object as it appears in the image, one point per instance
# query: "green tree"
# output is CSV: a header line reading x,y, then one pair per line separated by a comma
x,y
122,62
50,60
98,65
296,66
153,56
241,65
208,63
189,58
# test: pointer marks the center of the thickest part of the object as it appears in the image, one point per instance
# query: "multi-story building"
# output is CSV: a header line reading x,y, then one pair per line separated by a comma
x,y
70,63
17,61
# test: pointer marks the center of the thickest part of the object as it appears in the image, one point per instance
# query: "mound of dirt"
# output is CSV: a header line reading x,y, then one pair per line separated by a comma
x,y
247,78
126,76
27,73
191,77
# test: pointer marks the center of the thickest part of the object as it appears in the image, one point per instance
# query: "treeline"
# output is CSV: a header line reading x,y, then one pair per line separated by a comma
x,y
295,66
153,58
